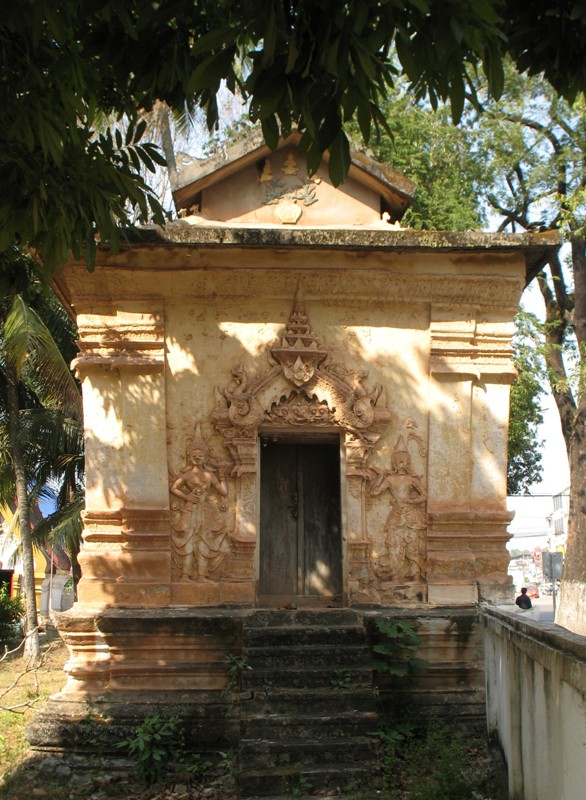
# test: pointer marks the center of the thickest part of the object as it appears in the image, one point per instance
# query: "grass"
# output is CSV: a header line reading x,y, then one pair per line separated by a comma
x,y
434,761
28,691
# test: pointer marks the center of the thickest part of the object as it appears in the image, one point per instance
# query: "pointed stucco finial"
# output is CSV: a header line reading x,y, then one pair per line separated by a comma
x,y
198,442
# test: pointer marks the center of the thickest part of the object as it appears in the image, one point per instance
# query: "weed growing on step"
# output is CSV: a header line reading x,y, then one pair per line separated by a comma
x,y
298,785
398,639
341,680
235,667
159,753
156,743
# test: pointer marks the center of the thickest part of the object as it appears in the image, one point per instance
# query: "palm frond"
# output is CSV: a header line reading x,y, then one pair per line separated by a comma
x,y
63,528
28,342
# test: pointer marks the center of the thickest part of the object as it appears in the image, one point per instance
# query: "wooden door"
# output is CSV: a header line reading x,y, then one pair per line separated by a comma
x,y
300,528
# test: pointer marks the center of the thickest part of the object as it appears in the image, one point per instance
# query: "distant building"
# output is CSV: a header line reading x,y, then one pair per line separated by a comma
x,y
558,520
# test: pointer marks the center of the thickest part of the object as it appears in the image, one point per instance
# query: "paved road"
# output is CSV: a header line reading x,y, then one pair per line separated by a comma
x,y
544,605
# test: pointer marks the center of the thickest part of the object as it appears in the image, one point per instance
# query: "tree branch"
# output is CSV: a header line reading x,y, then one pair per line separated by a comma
x,y
31,668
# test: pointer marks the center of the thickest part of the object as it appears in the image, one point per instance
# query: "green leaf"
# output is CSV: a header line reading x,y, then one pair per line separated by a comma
x,y
410,64
494,71
209,73
291,57
457,28
457,98
145,158
339,159
140,129
365,58
422,5
270,39
129,133
364,119
221,37
270,130
331,57
27,339
155,154
314,158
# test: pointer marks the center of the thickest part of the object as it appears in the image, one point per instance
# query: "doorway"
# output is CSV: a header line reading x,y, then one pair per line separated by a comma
x,y
300,522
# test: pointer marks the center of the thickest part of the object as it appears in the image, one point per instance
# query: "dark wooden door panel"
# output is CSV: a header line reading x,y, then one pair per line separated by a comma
x,y
278,521
322,552
300,535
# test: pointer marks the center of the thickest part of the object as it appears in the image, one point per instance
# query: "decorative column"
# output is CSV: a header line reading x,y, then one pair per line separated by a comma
x,y
471,371
125,558
360,588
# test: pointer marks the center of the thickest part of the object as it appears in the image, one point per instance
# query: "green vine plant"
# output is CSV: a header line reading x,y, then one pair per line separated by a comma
x,y
398,640
298,785
11,614
157,742
235,665
341,679
158,750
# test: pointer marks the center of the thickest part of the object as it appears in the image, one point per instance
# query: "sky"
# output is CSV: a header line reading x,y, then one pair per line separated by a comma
x,y
556,474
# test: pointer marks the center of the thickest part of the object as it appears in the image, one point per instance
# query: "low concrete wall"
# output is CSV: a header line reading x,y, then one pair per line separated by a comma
x,y
536,704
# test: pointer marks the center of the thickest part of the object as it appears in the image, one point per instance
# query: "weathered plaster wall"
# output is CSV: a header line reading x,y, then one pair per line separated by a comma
x,y
536,704
191,350
160,341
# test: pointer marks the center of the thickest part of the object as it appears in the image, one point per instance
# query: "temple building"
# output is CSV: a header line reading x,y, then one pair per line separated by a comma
x,y
291,403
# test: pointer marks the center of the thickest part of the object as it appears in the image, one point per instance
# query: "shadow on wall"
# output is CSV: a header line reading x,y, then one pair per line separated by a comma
x,y
144,421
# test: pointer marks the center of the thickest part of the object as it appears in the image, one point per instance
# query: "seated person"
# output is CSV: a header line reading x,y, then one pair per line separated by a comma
x,y
523,601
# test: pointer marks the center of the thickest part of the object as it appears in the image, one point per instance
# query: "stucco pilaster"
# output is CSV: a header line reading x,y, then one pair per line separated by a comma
x,y
471,372
126,557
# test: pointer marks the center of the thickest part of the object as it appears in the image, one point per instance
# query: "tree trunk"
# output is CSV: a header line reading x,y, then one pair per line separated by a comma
x,y
555,331
32,647
163,113
572,608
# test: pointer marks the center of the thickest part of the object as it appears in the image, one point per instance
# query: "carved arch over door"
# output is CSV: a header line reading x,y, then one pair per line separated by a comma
x,y
303,391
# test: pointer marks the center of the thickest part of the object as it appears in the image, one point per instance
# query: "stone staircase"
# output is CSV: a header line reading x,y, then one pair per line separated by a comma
x,y
307,712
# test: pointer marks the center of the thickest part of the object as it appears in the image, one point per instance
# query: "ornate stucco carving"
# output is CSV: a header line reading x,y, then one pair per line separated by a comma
x,y
467,347
129,337
199,527
288,192
297,409
402,556
300,387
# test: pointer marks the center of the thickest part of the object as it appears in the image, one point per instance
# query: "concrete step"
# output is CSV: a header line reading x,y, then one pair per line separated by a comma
x,y
300,656
293,636
272,727
269,754
319,701
307,710
298,781
319,677
268,618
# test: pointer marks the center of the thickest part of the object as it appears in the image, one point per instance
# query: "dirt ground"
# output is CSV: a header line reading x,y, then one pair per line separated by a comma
x,y
22,691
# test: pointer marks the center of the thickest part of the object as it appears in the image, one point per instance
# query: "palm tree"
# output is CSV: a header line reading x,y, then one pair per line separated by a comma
x,y
40,396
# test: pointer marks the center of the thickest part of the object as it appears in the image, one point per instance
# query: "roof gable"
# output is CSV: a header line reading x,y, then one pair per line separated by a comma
x,y
251,184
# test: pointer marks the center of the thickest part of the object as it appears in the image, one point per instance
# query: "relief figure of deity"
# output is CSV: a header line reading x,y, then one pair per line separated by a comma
x,y
199,529
401,559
